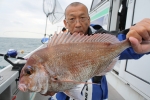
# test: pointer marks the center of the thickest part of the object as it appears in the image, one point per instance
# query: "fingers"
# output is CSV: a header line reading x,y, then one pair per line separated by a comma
x,y
138,33
143,28
142,31
135,45
139,48
133,33
146,23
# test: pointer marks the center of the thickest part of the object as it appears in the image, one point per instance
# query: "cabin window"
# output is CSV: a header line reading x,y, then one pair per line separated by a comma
x,y
95,3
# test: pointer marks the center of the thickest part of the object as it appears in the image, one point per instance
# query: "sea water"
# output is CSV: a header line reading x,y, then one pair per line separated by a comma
x,y
25,45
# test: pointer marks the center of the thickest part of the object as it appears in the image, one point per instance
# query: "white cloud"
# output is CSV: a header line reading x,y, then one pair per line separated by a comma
x,y
25,18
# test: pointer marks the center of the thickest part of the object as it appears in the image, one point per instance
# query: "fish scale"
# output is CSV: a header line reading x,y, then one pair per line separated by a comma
x,y
75,57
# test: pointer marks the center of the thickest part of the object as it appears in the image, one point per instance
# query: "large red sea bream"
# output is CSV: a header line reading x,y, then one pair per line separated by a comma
x,y
70,60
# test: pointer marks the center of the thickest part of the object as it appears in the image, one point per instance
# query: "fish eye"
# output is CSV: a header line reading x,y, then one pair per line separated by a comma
x,y
56,78
29,70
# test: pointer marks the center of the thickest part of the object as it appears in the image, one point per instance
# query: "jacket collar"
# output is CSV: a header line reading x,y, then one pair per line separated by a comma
x,y
91,30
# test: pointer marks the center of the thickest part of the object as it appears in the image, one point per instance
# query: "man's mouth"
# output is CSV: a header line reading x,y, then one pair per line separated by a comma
x,y
77,32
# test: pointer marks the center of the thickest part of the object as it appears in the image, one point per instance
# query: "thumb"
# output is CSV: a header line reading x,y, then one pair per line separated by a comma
x,y
135,45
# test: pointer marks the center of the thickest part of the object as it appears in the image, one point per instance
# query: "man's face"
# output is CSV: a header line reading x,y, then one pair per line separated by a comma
x,y
77,19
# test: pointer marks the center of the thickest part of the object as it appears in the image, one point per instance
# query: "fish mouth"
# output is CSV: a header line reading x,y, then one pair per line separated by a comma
x,y
23,87
37,84
36,88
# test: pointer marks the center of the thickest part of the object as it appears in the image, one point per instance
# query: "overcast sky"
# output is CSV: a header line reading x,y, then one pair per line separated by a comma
x,y
26,19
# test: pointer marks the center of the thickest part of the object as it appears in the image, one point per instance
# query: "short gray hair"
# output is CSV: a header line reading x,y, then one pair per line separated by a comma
x,y
74,4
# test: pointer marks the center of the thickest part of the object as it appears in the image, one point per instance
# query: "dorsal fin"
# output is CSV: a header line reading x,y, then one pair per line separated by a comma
x,y
62,38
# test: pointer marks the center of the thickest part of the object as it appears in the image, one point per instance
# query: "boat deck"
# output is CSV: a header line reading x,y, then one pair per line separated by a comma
x,y
113,95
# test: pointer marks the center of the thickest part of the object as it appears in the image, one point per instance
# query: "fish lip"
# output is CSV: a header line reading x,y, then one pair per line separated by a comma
x,y
40,85
23,87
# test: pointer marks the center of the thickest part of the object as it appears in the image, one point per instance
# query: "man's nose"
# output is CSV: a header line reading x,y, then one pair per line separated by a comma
x,y
78,23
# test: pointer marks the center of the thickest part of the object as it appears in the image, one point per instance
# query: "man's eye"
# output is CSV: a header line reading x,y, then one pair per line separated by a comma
x,y
83,18
72,19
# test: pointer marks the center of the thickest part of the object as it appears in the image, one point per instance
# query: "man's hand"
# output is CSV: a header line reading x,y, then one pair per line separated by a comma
x,y
138,33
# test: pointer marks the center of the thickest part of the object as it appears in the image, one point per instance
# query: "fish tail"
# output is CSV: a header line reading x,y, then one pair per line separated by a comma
x,y
121,46
126,43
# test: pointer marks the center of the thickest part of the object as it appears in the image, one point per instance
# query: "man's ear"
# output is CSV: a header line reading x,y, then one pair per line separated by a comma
x,y
89,21
65,23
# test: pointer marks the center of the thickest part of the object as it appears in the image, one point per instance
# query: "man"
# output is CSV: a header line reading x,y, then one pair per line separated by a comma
x,y
77,20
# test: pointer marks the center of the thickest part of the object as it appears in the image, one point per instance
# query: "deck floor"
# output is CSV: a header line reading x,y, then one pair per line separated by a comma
x,y
112,95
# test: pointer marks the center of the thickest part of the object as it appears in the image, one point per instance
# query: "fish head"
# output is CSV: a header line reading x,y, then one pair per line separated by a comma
x,y
33,77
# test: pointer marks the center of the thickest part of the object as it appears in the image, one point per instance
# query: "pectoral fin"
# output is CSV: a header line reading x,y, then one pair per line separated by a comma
x,y
75,93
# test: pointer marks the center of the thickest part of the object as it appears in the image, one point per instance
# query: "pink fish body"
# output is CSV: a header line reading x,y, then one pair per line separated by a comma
x,y
69,60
